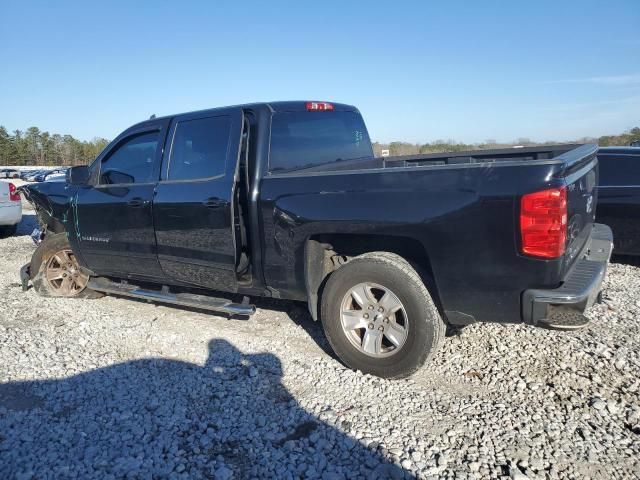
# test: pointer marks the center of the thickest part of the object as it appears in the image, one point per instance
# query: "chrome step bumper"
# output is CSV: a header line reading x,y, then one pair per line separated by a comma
x,y
563,308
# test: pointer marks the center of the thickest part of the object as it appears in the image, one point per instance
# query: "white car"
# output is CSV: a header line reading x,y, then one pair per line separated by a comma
x,y
56,176
9,173
10,209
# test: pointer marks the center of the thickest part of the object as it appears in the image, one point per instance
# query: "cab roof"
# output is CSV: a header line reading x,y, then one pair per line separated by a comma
x,y
280,106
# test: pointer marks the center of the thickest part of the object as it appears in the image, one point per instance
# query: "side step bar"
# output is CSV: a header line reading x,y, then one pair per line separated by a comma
x,y
164,296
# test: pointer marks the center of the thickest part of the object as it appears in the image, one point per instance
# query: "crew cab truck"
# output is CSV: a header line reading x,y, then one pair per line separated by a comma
x,y
287,200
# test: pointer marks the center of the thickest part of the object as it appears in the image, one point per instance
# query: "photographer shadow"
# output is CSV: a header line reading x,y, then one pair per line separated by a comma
x,y
161,418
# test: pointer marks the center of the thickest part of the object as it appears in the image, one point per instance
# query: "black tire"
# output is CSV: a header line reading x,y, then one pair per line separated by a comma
x,y
52,244
7,231
426,332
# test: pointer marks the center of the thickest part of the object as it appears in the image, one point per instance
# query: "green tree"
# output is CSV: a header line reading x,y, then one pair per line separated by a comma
x,y
5,147
36,147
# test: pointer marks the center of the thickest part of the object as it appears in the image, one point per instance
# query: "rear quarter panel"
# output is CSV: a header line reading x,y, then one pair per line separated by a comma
x,y
4,192
466,219
10,211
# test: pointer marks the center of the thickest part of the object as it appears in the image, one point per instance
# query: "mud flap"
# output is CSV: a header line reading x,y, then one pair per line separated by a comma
x,y
25,277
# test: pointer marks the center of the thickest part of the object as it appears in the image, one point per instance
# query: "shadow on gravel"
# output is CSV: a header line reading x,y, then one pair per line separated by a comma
x,y
299,314
160,418
296,311
28,223
633,260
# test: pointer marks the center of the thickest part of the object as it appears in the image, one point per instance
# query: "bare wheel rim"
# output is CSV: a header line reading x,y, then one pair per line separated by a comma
x,y
374,320
64,275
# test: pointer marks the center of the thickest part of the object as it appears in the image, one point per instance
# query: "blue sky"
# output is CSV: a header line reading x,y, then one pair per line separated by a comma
x,y
418,71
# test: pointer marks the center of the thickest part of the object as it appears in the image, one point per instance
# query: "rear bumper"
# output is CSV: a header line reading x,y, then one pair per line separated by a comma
x,y
10,214
563,307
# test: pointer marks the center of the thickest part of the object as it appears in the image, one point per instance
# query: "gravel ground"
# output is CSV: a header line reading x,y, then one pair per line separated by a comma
x,y
115,388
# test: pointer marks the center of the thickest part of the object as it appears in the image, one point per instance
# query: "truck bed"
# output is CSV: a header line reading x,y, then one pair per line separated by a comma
x,y
548,154
514,154
457,214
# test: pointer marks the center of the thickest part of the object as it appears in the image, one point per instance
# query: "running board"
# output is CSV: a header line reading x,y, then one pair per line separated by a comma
x,y
164,296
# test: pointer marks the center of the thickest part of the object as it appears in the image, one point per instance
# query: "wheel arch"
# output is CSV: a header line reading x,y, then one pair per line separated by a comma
x,y
325,253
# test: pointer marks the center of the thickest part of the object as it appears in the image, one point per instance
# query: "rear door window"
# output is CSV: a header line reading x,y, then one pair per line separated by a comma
x,y
199,148
317,141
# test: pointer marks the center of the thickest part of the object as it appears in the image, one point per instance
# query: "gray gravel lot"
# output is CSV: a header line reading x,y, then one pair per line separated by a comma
x,y
115,388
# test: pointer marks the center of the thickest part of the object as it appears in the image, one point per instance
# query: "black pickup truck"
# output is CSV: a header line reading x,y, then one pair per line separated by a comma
x,y
287,200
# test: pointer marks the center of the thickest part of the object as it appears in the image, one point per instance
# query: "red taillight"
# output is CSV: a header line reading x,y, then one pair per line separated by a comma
x,y
14,196
543,223
319,106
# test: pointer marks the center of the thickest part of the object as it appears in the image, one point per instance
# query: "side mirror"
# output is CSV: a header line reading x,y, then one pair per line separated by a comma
x,y
78,175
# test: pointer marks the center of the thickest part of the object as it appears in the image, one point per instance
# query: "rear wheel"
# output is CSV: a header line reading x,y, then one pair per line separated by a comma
x,y
379,317
55,271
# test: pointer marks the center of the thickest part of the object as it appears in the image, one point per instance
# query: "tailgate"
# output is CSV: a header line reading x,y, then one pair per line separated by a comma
x,y
581,176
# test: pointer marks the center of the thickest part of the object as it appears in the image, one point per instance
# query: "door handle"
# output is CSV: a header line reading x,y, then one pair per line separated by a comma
x,y
214,203
137,202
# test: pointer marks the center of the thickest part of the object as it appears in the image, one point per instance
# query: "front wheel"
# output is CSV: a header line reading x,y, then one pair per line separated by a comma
x,y
379,317
55,271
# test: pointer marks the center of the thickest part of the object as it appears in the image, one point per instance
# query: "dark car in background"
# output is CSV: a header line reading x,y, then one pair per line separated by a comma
x,y
36,175
9,173
40,176
619,196
30,175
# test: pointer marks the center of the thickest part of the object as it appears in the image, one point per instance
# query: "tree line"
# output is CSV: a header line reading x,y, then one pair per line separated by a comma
x,y
438,146
38,148
34,147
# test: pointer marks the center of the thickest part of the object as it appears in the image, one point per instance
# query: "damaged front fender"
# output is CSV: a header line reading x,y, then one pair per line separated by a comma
x,y
52,202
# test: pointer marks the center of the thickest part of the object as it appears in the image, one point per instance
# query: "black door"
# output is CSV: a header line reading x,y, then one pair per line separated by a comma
x,y
193,207
114,220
